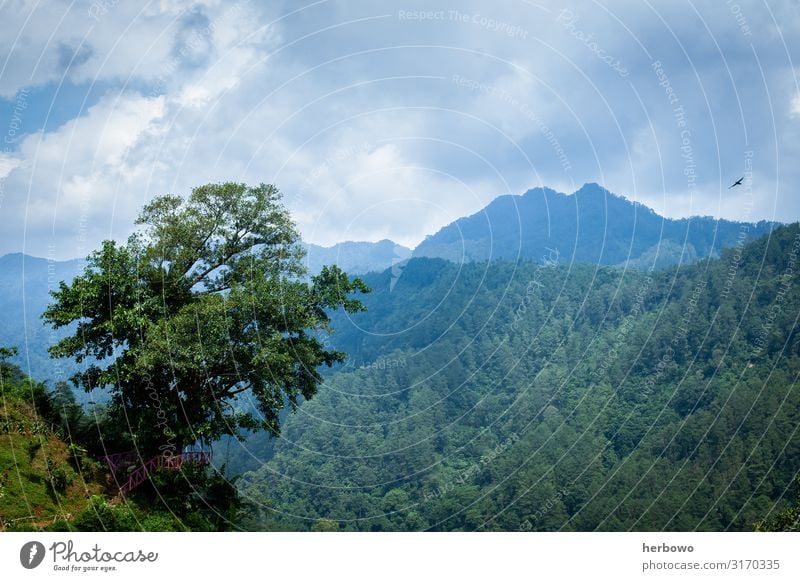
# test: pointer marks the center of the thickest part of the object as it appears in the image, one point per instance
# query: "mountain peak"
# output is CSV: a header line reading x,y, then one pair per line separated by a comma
x,y
593,225
591,188
541,190
356,257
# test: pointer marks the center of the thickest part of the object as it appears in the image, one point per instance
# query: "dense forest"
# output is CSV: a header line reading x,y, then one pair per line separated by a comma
x,y
545,393
207,301
551,395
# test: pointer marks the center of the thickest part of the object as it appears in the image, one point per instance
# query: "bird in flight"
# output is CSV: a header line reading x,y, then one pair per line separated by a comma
x,y
737,183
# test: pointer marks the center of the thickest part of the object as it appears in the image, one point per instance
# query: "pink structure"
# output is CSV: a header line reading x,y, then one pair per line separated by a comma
x,y
143,472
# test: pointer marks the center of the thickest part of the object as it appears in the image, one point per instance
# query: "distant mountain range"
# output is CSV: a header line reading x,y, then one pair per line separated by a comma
x,y
592,225
356,257
25,282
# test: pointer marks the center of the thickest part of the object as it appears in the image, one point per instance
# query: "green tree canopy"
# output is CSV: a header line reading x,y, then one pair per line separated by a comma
x,y
207,301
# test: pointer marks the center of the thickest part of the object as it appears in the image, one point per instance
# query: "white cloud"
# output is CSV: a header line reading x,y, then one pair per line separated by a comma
x,y
7,163
79,177
372,194
356,117
84,181
120,41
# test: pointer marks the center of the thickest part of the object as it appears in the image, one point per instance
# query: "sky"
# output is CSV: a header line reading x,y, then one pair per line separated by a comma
x,y
390,119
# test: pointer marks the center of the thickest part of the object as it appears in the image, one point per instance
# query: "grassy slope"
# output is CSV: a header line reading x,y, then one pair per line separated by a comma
x,y
29,495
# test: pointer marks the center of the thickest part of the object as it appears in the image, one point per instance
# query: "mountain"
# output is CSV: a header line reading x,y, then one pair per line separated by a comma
x,y
546,396
592,225
25,282
356,257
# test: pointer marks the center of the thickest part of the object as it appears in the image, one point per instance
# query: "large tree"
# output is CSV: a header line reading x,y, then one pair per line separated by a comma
x,y
205,323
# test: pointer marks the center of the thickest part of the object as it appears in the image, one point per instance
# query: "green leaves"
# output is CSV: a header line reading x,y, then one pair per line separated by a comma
x,y
332,288
206,301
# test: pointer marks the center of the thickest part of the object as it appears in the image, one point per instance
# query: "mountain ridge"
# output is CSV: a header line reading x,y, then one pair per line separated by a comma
x,y
541,220
25,280
356,257
617,399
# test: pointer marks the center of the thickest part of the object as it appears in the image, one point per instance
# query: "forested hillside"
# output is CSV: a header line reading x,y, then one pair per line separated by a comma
x,y
551,395
43,481
592,225
53,476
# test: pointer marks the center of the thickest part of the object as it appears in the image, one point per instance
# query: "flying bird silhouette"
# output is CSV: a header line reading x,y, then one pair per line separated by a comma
x,y
737,183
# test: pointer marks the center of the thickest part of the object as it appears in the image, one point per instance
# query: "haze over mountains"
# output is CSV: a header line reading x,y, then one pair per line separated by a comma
x,y
25,282
593,226
511,363
356,257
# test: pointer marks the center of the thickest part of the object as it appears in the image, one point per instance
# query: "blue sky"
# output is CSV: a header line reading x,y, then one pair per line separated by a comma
x,y
391,119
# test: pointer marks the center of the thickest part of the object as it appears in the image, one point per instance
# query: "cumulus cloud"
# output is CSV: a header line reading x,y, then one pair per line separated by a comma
x,y
379,120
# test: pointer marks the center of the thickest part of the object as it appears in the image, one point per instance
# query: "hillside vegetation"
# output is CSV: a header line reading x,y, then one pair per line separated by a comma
x,y
52,478
553,396
40,482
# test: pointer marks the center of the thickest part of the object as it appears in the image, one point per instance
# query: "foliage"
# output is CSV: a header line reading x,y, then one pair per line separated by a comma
x,y
784,521
38,485
102,515
206,303
569,397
